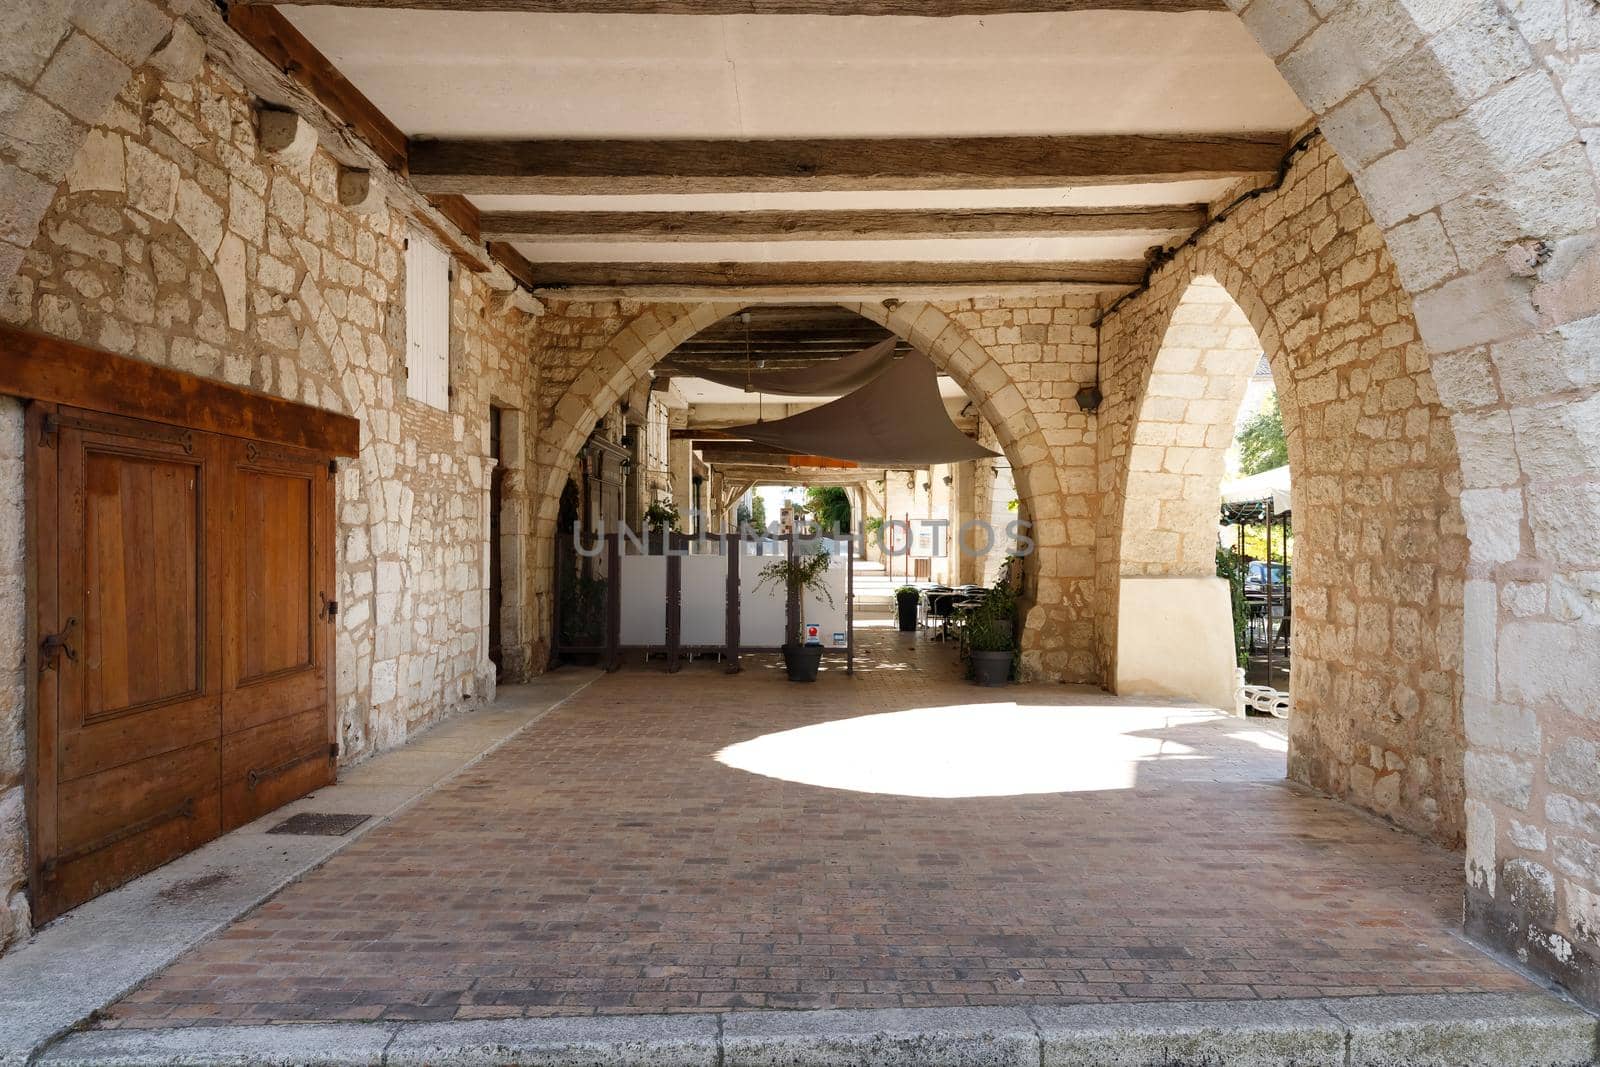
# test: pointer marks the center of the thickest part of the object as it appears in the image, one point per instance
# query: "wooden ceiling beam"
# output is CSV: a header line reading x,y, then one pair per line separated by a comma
x,y
726,166
718,226
854,272
917,8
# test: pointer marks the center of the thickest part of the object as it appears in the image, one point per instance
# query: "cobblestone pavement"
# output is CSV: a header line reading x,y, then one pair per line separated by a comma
x,y
701,841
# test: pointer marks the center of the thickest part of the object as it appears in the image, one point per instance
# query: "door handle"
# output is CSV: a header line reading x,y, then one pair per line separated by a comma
x,y
53,646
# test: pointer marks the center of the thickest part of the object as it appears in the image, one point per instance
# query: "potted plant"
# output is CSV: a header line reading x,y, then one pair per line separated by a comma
x,y
799,575
905,601
990,646
990,634
660,519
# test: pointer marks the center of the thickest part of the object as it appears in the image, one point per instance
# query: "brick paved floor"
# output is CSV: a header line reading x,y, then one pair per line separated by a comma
x,y
653,846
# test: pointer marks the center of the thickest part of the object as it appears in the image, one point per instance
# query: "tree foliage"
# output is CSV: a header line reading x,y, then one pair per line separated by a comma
x,y
1261,442
830,505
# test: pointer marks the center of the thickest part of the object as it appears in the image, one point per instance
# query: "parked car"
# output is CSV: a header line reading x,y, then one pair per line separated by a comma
x,y
1255,579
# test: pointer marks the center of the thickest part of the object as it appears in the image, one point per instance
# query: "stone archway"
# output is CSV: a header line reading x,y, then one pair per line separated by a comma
x,y
1380,553
1174,620
648,337
1463,126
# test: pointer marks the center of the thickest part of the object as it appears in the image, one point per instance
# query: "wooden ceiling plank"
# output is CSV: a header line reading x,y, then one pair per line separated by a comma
x,y
719,226
916,8
726,166
858,272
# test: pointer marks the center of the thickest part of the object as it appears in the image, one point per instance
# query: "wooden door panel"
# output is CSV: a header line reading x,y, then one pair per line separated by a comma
x,y
269,765
141,580
276,722
253,705
129,738
275,623
136,752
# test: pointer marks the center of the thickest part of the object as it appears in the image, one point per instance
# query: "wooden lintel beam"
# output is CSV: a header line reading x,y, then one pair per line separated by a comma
x,y
854,272
36,367
587,226
917,8
725,166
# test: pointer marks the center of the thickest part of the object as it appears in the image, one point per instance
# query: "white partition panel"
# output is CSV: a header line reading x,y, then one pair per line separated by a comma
x,y
705,601
832,619
644,600
761,612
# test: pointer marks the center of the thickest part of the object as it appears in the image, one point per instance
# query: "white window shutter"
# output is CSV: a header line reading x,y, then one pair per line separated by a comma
x,y
427,321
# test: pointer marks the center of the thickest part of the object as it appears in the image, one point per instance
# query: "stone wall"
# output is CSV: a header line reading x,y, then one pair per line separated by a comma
x,y
175,240
1302,274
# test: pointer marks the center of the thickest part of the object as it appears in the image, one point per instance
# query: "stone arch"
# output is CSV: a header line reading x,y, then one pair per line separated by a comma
x,y
1196,383
1463,125
70,61
1380,550
652,334
1173,624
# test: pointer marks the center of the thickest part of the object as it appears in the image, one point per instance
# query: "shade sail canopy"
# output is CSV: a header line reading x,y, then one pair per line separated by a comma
x,y
896,419
1270,485
834,378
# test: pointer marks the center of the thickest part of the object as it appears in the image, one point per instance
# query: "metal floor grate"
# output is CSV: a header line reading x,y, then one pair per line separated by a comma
x,y
319,824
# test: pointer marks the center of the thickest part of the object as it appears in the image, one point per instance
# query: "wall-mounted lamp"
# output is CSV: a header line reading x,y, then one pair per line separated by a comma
x,y
1089,398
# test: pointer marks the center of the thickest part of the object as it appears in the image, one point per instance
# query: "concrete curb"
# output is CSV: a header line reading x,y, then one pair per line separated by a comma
x,y
1458,1030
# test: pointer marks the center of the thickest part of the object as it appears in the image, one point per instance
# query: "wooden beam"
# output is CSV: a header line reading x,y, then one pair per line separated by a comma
x,y
857,272
587,226
722,166
917,8
276,40
460,211
275,37
842,292
515,263
37,367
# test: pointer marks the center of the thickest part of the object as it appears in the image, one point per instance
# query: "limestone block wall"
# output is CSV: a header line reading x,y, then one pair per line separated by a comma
x,y
1380,548
173,239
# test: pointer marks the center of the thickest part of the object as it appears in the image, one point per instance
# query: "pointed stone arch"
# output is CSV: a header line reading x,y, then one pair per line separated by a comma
x,y
621,363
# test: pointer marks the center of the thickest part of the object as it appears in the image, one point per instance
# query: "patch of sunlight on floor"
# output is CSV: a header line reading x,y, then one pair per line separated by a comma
x,y
970,750
1265,738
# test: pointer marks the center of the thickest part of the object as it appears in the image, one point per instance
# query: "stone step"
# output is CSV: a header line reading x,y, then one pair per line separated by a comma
x,y
1458,1030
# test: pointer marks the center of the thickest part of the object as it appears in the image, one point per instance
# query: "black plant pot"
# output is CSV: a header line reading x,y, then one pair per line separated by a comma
x,y
907,606
991,668
802,662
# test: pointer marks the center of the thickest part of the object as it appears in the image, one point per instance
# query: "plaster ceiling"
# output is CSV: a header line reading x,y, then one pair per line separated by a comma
x,y
492,74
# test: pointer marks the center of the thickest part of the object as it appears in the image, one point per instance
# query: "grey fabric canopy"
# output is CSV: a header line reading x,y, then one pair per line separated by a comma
x,y
833,379
896,419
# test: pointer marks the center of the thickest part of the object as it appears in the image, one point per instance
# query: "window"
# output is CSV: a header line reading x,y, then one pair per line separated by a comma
x,y
427,321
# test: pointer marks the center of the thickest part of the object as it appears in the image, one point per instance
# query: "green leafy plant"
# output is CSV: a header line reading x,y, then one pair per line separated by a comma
x,y
992,625
905,592
1262,445
830,506
808,573
1231,567
661,517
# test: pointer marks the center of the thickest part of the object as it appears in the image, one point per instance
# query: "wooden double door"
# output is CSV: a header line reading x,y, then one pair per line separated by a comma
x,y
183,606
